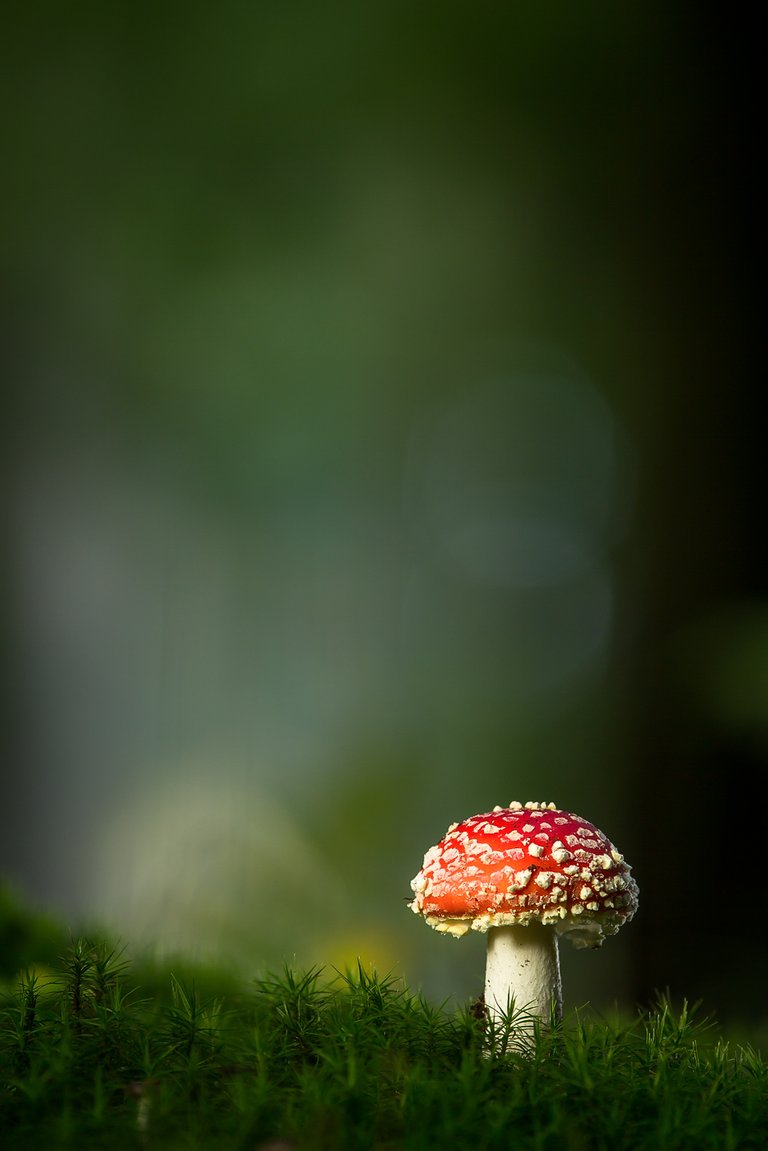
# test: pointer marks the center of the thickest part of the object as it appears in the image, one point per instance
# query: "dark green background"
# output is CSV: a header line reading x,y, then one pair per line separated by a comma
x,y
297,301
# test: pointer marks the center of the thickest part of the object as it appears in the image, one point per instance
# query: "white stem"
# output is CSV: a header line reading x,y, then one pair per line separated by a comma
x,y
522,973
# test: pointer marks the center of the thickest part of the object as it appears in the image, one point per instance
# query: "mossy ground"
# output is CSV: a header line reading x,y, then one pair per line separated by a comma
x,y
97,1054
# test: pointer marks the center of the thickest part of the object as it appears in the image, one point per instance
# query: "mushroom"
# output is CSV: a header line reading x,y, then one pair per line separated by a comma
x,y
525,874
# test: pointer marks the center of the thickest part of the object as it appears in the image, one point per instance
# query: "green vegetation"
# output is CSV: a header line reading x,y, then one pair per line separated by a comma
x,y
99,1054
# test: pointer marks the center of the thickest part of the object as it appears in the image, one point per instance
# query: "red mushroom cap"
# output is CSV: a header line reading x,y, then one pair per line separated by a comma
x,y
520,864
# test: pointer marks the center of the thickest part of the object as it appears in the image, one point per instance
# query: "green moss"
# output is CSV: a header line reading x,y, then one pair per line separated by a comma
x,y
328,1062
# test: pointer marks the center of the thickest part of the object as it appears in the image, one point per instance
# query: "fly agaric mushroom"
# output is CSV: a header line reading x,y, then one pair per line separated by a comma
x,y
525,875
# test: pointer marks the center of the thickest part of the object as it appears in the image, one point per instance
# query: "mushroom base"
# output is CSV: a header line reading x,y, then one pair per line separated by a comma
x,y
522,973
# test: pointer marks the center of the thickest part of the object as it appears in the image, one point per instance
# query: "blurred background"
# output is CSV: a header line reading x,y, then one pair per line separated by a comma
x,y
378,447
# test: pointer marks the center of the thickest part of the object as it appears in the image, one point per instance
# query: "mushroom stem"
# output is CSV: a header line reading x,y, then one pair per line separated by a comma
x,y
522,973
